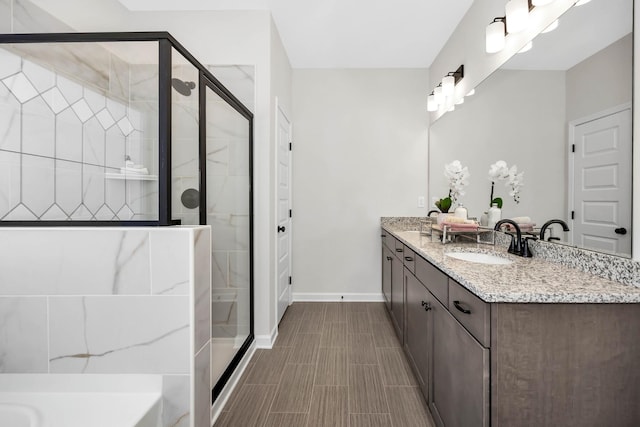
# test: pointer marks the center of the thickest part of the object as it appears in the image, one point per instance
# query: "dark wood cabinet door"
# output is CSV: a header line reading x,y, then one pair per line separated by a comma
x,y
459,392
418,329
397,296
387,258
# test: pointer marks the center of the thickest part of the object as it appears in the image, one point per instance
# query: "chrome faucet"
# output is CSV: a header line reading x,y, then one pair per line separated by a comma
x,y
518,246
433,211
546,225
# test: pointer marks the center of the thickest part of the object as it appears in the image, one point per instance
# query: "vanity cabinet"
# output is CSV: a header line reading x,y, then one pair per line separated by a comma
x,y
418,329
513,364
387,265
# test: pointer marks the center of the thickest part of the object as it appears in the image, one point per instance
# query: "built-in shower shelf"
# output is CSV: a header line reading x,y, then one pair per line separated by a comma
x,y
131,176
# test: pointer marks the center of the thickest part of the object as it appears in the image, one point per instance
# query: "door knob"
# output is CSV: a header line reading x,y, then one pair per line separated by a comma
x,y
281,229
621,230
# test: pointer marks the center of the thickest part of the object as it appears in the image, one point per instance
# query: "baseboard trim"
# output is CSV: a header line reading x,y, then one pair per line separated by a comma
x,y
353,297
267,341
223,397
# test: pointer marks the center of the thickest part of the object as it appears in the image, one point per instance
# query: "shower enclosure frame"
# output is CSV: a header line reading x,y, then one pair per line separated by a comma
x,y
166,42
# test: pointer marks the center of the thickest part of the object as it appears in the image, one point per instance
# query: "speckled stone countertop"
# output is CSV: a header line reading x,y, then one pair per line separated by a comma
x,y
526,280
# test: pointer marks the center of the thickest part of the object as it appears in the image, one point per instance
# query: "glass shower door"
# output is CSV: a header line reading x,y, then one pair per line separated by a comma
x,y
227,186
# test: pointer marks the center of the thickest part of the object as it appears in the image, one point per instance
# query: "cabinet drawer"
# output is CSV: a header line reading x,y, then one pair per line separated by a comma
x,y
471,311
434,279
385,236
409,259
398,248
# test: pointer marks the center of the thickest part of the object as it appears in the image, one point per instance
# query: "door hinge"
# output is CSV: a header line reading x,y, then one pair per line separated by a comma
x,y
289,279
573,148
290,146
290,213
573,214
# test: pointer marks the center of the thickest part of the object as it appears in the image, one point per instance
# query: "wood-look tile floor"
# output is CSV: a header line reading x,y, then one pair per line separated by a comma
x,y
333,364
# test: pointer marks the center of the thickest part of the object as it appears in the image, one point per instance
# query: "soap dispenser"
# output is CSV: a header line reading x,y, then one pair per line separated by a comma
x,y
460,212
495,214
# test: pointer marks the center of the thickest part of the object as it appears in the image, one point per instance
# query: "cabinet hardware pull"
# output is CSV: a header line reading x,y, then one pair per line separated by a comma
x,y
460,308
383,235
426,306
398,249
389,258
408,258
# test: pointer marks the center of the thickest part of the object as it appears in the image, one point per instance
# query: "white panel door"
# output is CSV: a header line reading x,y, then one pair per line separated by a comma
x,y
283,207
602,183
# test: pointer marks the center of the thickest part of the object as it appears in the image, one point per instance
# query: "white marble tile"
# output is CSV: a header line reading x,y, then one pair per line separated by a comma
x,y
142,335
9,62
239,79
125,214
93,140
38,128
37,183
114,194
82,214
239,266
220,269
228,194
184,123
41,78
76,262
55,100
105,214
96,101
23,335
202,392
9,181
82,110
29,18
71,90
144,82
125,126
229,232
93,187
223,121
238,156
20,87
116,109
217,156
118,78
68,136
105,118
9,120
176,398
54,214
115,148
170,263
184,158
68,185
202,287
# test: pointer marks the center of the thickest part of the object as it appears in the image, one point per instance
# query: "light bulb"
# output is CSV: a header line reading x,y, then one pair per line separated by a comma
x,y
437,92
517,12
472,92
495,37
448,85
460,101
551,26
527,47
432,105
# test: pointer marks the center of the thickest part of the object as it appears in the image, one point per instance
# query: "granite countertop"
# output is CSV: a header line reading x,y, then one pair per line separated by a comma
x,y
526,280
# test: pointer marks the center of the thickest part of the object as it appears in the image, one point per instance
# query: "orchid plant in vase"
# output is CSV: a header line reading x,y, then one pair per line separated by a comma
x,y
499,171
458,177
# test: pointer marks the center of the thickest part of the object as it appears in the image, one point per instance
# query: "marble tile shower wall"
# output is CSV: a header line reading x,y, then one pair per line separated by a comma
x,y
110,301
61,139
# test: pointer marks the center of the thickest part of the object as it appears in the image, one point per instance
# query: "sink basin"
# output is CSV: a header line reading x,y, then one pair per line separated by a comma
x,y
479,257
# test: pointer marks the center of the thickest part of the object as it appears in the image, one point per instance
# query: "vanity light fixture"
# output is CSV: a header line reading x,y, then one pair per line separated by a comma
x,y
541,2
450,81
551,27
432,105
459,101
527,47
495,35
517,13
437,93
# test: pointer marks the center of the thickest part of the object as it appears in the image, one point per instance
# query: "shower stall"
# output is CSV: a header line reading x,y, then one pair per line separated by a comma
x,y
129,129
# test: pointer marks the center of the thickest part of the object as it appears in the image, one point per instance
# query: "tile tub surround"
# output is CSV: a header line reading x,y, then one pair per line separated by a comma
x,y
527,280
615,268
110,301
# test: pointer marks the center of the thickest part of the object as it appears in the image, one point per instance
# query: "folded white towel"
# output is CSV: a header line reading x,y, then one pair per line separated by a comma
x,y
134,171
521,220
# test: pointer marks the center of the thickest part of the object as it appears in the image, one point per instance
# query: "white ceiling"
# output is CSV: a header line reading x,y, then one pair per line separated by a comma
x,y
346,33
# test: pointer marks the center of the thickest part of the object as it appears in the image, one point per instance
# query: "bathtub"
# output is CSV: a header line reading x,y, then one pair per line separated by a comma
x,y
60,400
